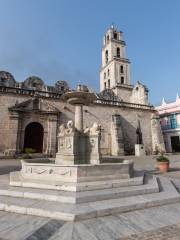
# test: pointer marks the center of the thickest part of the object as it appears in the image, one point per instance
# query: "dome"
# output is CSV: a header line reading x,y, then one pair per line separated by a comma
x,y
34,82
7,79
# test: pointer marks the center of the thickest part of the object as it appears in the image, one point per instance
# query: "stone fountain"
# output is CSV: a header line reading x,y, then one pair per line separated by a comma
x,y
77,161
77,145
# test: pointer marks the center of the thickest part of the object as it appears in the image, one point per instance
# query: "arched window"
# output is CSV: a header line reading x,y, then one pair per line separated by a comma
x,y
108,72
108,83
107,37
122,80
115,35
122,69
104,75
118,52
106,57
104,85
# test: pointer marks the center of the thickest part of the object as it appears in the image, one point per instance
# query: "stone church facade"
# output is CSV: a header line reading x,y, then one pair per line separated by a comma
x,y
31,112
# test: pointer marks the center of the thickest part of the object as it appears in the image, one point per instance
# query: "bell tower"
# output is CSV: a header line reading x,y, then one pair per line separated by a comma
x,y
115,69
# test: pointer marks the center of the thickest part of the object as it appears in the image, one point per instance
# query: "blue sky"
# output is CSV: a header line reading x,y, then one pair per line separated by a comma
x,y
62,40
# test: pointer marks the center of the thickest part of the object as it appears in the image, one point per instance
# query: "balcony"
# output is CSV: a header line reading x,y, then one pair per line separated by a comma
x,y
169,127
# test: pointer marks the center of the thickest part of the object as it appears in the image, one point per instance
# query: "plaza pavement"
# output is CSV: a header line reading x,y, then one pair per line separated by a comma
x,y
159,223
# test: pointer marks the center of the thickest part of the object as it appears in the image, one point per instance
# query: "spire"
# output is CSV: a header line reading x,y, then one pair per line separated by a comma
x,y
177,97
163,102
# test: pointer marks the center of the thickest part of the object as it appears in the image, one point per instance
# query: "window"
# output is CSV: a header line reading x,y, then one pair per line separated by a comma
x,y
173,121
106,57
118,52
108,83
108,72
105,85
115,35
107,37
122,69
122,80
104,75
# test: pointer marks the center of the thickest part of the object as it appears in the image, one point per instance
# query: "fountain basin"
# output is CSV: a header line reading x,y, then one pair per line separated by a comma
x,y
80,177
76,173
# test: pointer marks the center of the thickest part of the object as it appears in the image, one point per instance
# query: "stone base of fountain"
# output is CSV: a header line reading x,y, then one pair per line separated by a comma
x,y
71,177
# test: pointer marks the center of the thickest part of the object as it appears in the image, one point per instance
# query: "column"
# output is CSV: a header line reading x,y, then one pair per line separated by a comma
x,y
79,117
13,133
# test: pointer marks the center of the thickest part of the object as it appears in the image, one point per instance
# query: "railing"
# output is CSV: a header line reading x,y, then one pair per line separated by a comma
x,y
124,104
29,92
168,127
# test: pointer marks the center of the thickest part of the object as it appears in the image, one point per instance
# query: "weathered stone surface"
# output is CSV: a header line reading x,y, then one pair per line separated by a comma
x,y
54,173
105,192
73,212
17,180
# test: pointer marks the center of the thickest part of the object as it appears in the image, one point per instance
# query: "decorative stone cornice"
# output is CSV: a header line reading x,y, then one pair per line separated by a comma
x,y
124,104
28,92
123,60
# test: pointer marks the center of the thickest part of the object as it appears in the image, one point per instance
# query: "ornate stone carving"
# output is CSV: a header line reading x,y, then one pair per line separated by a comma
x,y
87,130
92,143
62,86
37,170
109,95
68,143
70,127
6,79
95,129
66,130
34,82
61,130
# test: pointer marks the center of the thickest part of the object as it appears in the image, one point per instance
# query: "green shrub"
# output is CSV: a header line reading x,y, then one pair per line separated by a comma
x,y
162,159
29,150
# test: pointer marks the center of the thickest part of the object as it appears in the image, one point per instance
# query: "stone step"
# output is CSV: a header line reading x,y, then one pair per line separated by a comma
x,y
150,186
17,180
76,212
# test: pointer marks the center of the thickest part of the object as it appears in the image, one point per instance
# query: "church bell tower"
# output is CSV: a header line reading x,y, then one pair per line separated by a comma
x,y
115,69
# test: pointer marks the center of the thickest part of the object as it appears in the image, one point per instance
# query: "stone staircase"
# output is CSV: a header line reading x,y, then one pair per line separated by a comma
x,y
106,198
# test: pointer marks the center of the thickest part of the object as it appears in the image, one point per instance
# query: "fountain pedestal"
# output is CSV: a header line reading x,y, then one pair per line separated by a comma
x,y
75,144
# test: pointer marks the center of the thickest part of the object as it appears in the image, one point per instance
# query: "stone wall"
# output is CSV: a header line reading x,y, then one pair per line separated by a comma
x,y
139,94
6,128
102,114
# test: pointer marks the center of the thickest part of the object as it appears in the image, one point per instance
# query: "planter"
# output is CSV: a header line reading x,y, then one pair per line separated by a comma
x,y
163,166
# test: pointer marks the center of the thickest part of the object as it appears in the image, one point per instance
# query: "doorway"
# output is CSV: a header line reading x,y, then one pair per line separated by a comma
x,y
33,137
175,144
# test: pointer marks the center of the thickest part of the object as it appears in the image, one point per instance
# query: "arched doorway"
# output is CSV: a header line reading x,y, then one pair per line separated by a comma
x,y
33,137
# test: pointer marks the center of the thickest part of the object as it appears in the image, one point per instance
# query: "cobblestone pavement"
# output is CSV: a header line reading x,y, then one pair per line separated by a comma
x,y
170,232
